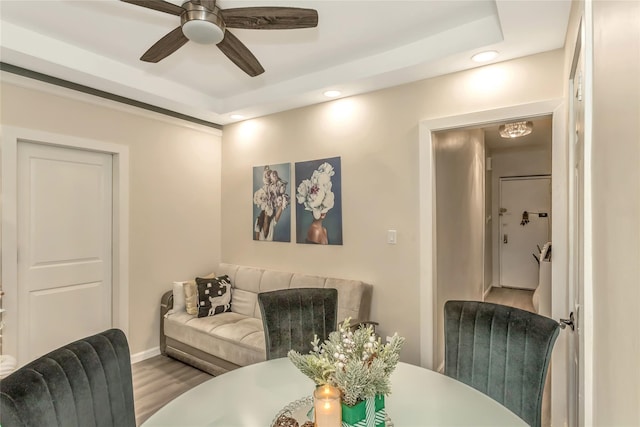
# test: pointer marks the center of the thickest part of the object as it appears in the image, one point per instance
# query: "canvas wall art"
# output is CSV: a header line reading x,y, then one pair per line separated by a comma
x,y
319,202
271,200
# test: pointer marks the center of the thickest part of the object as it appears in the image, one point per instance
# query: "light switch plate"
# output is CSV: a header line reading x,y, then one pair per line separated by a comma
x,y
392,237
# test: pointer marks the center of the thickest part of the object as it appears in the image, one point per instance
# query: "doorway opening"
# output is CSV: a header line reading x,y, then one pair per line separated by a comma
x,y
493,217
429,254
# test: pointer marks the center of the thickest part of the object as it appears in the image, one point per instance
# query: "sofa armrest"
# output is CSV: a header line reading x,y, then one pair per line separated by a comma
x,y
166,304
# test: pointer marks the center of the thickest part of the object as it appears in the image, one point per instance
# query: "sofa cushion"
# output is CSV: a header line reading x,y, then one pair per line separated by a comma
x,y
243,302
275,280
214,295
353,299
230,336
354,296
248,279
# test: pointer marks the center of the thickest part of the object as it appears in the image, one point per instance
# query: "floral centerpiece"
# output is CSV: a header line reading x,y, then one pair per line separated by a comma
x,y
355,362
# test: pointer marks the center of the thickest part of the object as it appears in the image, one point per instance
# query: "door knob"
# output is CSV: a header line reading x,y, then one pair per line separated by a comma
x,y
568,322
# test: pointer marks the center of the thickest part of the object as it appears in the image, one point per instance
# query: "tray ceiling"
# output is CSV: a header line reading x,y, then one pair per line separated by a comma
x,y
358,46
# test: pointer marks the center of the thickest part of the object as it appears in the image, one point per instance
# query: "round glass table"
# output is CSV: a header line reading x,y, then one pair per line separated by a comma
x,y
252,396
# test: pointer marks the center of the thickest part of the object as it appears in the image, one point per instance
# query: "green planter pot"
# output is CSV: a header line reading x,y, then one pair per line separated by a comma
x,y
356,416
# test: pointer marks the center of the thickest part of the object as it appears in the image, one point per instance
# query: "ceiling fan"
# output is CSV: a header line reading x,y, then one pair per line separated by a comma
x,y
202,21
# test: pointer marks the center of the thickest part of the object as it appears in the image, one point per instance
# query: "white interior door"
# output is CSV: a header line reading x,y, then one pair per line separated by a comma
x,y
575,371
64,236
521,234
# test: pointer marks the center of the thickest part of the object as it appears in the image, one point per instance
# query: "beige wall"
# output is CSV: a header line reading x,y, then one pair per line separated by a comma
x,y
616,212
174,188
376,135
459,157
506,163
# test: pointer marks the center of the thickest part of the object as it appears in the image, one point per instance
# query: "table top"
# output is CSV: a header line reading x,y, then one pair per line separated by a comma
x,y
251,396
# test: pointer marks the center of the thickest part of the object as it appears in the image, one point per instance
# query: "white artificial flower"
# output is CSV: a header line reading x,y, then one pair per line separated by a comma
x,y
326,168
303,190
328,202
260,198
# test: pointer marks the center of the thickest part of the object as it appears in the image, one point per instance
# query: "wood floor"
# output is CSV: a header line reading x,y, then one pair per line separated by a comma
x,y
160,379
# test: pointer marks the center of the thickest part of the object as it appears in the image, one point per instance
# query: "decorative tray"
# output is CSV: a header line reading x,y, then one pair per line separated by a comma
x,y
300,411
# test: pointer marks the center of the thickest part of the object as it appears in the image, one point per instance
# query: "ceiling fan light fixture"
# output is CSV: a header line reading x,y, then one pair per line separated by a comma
x,y
203,32
202,25
515,129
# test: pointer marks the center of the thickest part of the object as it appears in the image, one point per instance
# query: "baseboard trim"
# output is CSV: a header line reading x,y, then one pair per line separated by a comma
x,y
484,297
144,355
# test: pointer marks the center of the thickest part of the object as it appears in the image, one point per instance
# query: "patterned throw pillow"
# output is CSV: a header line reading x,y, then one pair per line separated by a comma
x,y
214,295
191,294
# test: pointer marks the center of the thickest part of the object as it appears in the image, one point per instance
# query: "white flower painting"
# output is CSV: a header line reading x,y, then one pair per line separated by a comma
x,y
318,209
272,220
315,193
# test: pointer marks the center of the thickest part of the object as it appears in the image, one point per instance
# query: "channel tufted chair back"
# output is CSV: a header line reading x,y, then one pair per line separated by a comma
x,y
502,351
83,384
291,317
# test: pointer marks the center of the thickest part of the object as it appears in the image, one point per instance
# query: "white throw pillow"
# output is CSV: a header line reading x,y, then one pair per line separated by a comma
x,y
178,297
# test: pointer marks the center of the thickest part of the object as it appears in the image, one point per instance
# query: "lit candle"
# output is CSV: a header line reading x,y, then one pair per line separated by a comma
x,y
327,409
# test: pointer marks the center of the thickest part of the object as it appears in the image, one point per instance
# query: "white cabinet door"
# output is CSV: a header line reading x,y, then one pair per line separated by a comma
x,y
64,246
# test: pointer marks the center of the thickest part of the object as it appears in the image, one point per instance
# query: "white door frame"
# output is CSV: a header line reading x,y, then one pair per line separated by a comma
x,y
10,137
559,235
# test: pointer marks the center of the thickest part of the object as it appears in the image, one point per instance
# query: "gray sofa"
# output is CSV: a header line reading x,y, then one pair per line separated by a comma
x,y
217,344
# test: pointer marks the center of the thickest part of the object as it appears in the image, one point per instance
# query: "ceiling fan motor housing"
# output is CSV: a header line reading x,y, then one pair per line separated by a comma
x,y
202,25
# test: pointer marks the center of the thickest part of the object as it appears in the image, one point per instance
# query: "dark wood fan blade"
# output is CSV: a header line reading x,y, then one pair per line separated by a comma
x,y
238,53
270,18
160,5
165,46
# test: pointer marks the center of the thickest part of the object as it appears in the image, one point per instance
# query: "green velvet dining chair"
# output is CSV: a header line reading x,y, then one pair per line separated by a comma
x,y
502,351
85,383
291,318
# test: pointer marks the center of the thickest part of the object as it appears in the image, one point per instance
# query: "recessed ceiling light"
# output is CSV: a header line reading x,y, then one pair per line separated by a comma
x,y
237,116
332,93
485,56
